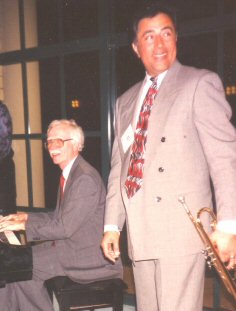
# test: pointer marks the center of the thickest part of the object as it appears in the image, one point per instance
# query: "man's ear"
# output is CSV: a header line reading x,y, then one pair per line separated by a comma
x,y
135,48
76,146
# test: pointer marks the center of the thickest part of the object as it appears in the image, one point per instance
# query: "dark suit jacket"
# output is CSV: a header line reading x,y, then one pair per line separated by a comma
x,y
76,227
7,185
7,166
189,139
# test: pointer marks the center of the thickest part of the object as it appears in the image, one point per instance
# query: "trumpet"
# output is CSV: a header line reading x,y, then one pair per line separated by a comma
x,y
211,255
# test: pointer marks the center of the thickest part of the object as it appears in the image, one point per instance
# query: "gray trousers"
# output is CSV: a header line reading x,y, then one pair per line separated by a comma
x,y
170,284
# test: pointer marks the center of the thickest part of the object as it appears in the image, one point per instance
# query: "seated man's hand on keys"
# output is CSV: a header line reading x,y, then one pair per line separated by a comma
x,y
13,222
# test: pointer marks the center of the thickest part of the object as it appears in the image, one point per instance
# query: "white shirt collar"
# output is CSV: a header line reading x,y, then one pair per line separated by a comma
x,y
160,78
67,169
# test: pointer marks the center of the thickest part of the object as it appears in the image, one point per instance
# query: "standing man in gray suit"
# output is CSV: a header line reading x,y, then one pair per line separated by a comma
x,y
168,144
73,231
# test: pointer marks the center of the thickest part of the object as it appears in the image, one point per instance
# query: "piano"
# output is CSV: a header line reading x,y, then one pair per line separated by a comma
x,y
15,261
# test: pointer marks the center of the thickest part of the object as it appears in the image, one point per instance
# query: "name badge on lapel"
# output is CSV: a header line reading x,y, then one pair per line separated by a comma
x,y
127,138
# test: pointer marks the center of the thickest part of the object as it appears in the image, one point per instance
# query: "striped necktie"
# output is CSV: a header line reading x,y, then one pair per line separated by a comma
x,y
135,171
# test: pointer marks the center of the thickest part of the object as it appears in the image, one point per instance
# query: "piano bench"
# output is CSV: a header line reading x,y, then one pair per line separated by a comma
x,y
76,296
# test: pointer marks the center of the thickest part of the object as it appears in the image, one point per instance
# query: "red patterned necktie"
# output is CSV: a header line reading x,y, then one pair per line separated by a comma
x,y
62,182
135,171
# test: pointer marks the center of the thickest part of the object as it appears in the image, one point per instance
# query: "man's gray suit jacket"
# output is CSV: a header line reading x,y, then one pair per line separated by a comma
x,y
189,139
74,230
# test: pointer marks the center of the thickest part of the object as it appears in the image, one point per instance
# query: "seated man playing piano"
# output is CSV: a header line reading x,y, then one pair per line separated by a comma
x,y
69,236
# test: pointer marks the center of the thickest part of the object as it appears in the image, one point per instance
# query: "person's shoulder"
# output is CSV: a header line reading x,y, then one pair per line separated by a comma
x,y
193,72
5,118
85,168
191,75
87,173
4,110
5,131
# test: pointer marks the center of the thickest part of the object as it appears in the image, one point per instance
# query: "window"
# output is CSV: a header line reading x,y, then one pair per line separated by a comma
x,y
80,19
72,58
129,69
83,89
199,51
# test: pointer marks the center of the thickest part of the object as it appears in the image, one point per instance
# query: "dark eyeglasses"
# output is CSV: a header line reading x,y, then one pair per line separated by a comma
x,y
59,142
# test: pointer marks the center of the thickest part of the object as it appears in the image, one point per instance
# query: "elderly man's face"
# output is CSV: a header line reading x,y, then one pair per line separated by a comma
x,y
61,146
156,43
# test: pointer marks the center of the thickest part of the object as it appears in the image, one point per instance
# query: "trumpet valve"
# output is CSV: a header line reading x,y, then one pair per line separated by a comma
x,y
207,257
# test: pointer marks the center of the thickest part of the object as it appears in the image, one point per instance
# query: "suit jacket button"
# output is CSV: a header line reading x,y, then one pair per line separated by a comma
x,y
161,169
163,139
158,199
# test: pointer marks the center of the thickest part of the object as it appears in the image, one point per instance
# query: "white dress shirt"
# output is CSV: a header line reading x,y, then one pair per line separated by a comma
x,y
66,171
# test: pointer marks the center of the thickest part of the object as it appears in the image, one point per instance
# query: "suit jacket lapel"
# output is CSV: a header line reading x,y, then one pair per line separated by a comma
x,y
126,119
163,101
161,109
68,181
159,115
169,85
127,114
70,177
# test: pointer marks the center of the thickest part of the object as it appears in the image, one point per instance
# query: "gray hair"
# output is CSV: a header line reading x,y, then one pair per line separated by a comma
x,y
75,130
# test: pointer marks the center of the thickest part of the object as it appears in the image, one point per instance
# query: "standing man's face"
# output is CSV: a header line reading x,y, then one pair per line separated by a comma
x,y
155,43
61,147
